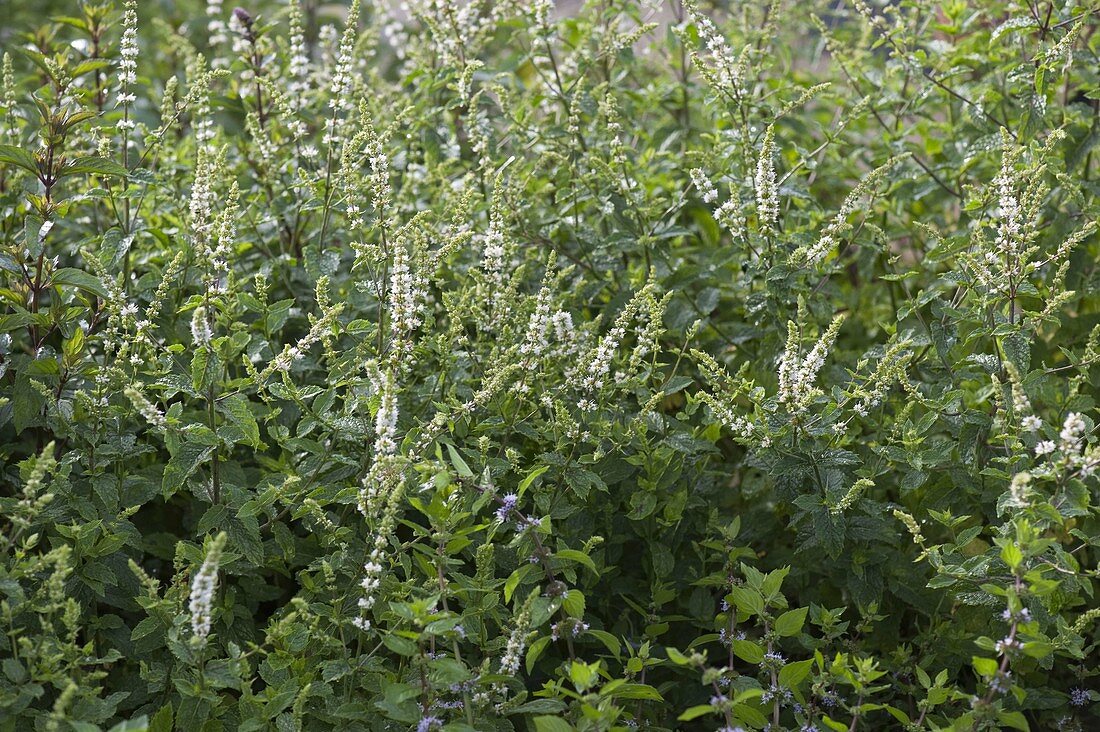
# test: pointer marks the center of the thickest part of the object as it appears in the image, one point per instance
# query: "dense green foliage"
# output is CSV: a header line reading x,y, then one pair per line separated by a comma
x,y
483,367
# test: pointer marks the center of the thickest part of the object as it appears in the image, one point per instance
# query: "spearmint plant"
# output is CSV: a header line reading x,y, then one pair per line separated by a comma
x,y
498,365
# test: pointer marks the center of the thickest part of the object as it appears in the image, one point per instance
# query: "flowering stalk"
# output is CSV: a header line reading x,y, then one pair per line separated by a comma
x,y
591,374
339,101
298,63
372,568
127,76
7,95
767,192
517,639
203,587
217,31
829,236
797,373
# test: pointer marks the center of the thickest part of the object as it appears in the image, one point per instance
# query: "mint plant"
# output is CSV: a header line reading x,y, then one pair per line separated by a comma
x,y
470,365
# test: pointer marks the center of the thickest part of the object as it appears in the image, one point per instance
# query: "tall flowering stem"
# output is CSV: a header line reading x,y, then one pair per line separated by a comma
x,y
298,66
517,639
372,568
127,75
339,102
217,30
203,587
767,191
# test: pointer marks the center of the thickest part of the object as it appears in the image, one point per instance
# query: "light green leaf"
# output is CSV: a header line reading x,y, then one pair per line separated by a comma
x,y
794,673
696,711
460,464
986,667
790,623
552,724
530,478
580,557
748,651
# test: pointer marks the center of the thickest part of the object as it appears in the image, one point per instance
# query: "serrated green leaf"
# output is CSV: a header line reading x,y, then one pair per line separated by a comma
x,y
93,165
79,279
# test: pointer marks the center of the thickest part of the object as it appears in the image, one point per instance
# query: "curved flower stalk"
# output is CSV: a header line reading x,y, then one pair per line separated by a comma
x,y
889,370
728,214
725,392
34,497
723,69
593,371
853,495
830,235
321,328
153,415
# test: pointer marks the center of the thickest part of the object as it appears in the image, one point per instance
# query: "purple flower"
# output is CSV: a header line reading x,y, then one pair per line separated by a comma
x,y
453,704
1024,616
1079,697
1001,683
428,723
773,661
507,505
